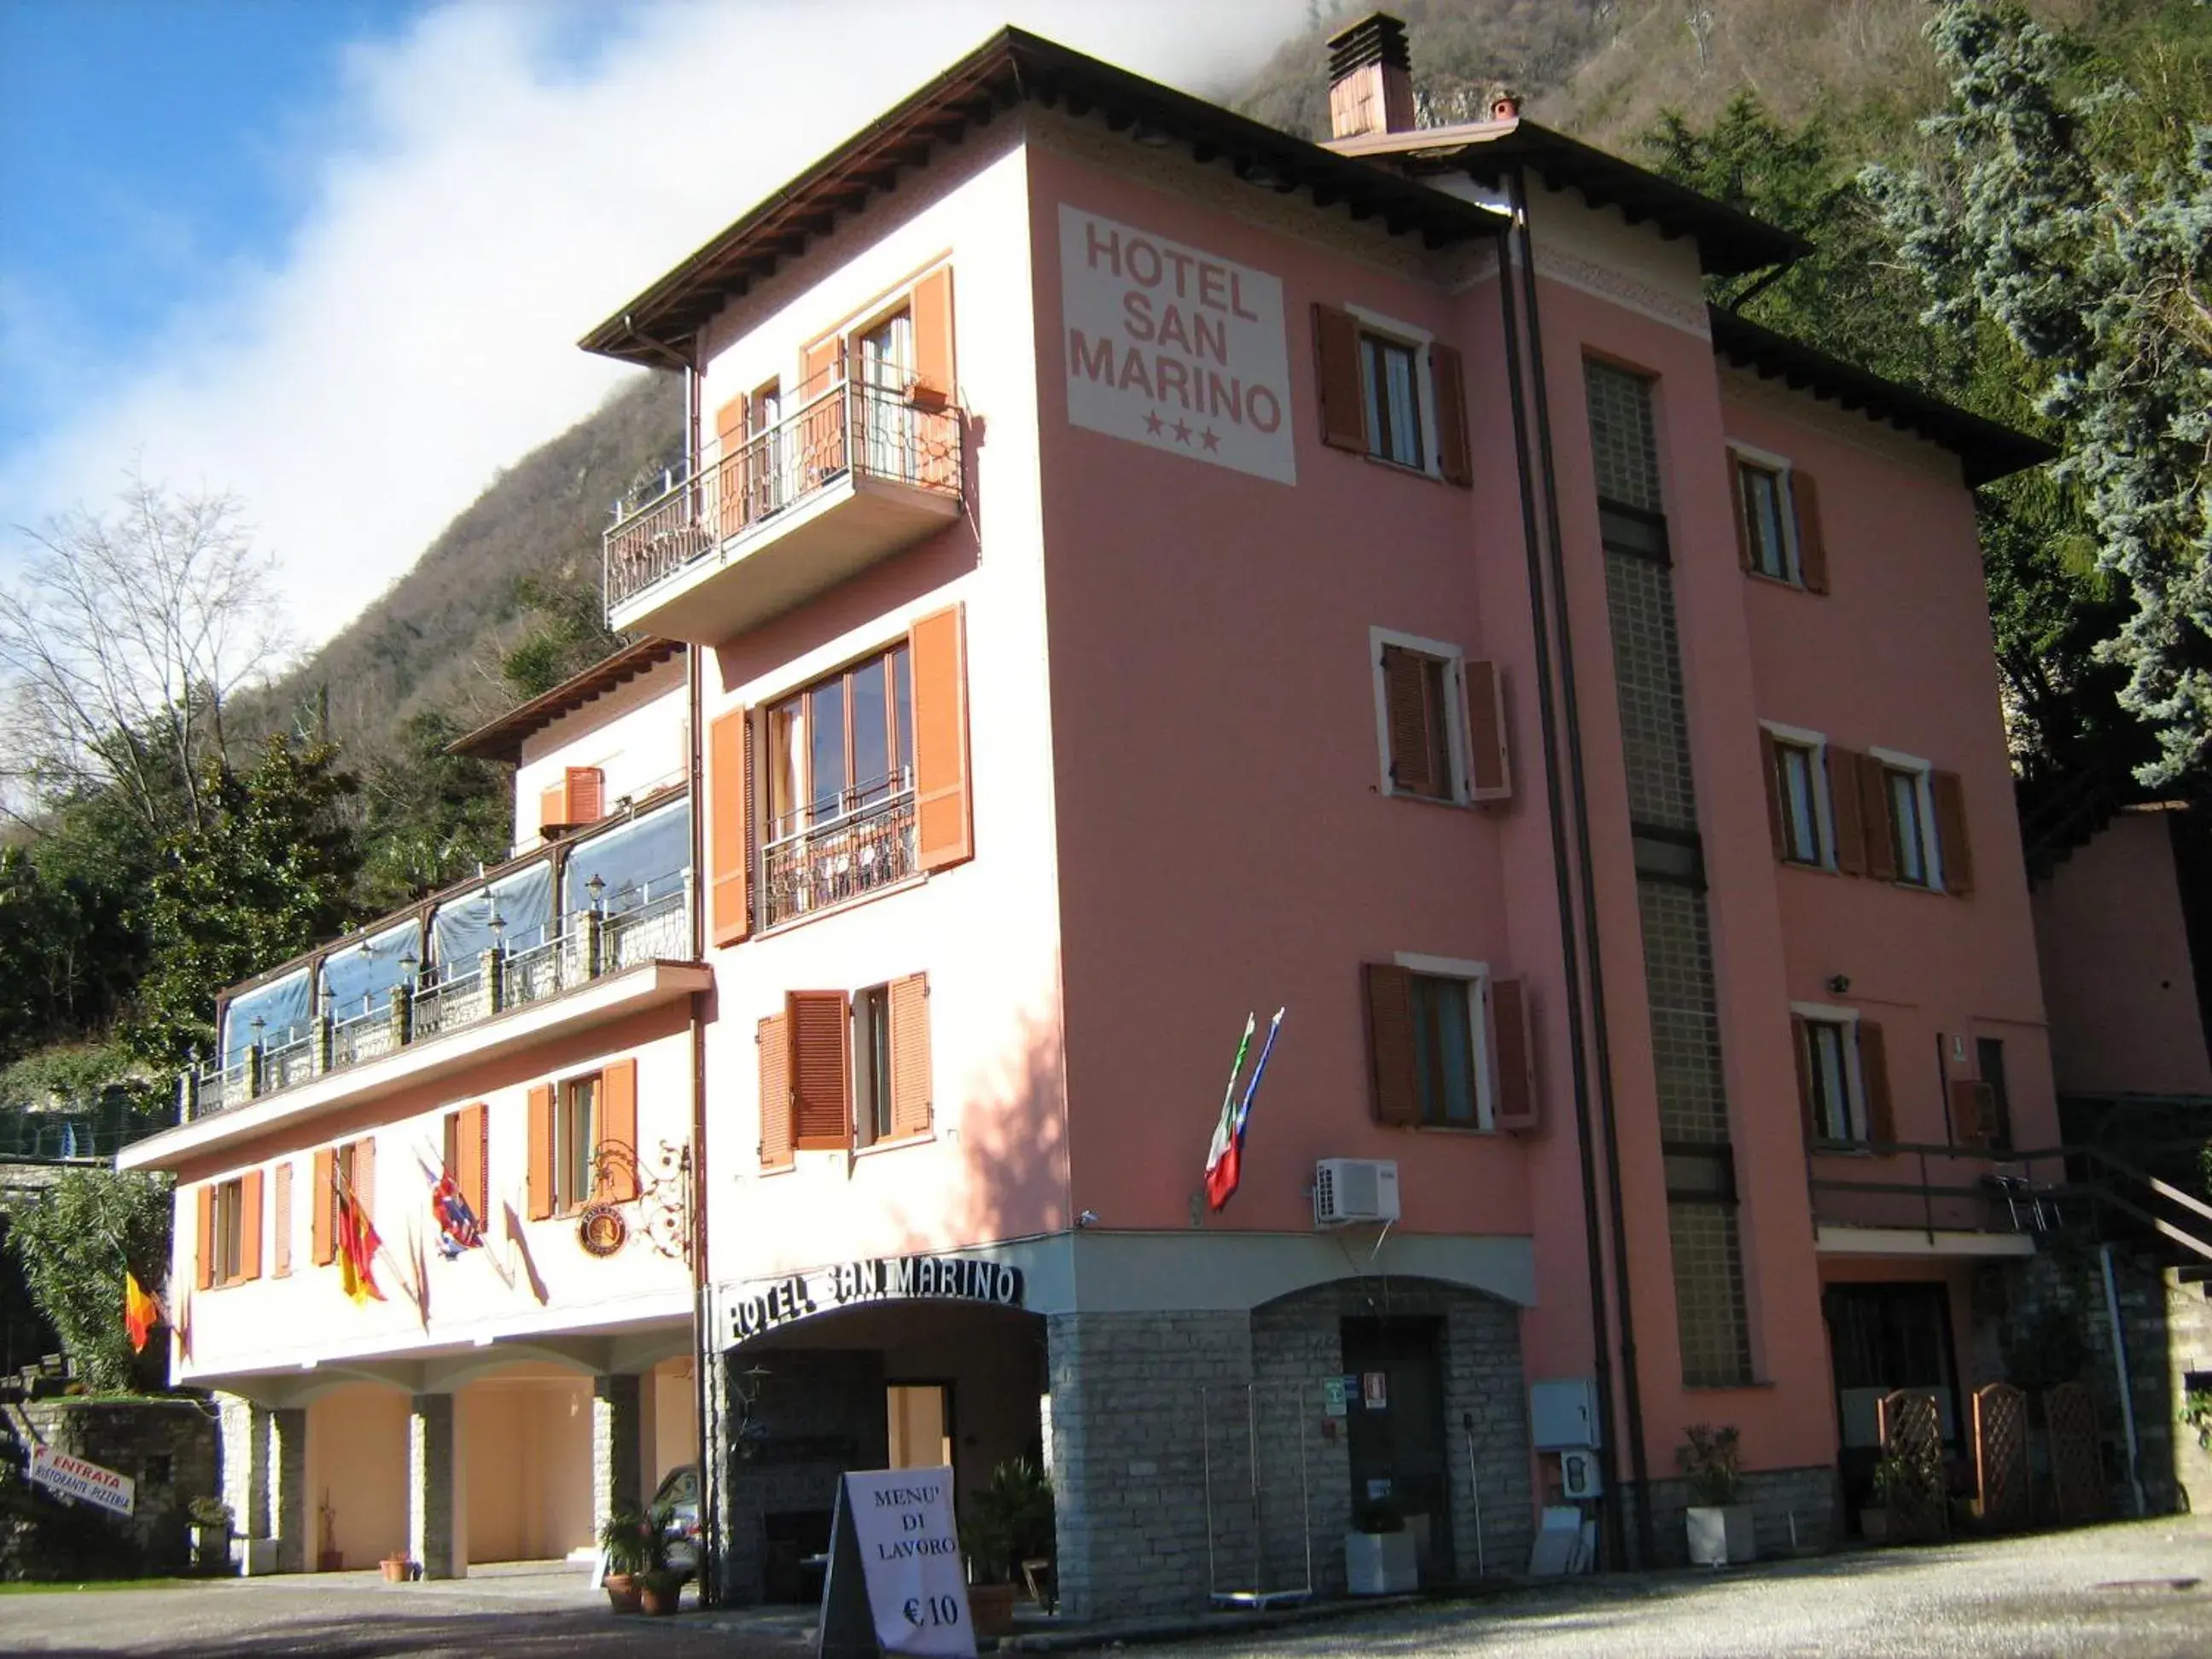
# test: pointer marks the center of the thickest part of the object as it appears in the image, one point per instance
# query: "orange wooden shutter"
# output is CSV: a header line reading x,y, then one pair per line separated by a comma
x,y
1390,1070
933,381
1801,1045
1951,832
944,818
1516,1048
731,422
618,1129
1450,378
540,1124
1874,833
1850,840
774,1039
728,863
587,791
204,1257
1770,764
820,1069
819,368
1490,768
471,1137
251,1194
361,1172
552,810
1343,398
1873,1075
1743,518
325,1196
280,1225
911,1112
1405,708
1973,1112
1812,551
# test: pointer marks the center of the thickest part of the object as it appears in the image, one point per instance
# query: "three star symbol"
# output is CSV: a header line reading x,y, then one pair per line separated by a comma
x,y
1155,427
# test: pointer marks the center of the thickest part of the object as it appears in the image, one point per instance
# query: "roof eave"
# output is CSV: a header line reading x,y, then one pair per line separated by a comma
x,y
501,739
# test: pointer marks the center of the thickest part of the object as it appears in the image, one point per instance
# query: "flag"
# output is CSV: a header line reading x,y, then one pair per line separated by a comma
x,y
459,1229
141,1312
357,1248
1224,1159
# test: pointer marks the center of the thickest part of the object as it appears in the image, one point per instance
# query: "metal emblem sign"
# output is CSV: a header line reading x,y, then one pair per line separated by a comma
x,y
601,1229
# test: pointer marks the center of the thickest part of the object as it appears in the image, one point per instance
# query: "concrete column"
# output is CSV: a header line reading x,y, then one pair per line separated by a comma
x,y
243,1428
434,1503
287,1488
616,1422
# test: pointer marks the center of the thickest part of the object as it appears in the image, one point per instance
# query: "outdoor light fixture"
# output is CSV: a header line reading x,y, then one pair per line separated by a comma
x,y
1088,1219
1838,983
597,888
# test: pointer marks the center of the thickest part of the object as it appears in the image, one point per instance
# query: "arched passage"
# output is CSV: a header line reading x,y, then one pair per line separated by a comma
x,y
356,1475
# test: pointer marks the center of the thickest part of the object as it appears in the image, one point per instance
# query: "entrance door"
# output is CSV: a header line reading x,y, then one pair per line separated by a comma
x,y
1884,1337
920,1425
1393,1386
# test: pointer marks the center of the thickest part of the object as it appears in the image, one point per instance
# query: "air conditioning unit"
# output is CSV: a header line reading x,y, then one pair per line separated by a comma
x,y
1578,1477
1349,1190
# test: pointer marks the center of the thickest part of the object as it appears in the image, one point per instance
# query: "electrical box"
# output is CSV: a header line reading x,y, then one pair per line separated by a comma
x,y
1349,1190
1563,1414
1578,1476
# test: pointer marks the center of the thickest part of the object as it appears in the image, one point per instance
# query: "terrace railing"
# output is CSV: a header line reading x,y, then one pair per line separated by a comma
x,y
868,844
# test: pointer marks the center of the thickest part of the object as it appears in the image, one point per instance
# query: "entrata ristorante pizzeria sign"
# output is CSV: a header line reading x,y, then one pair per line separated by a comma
x,y
1174,348
749,1310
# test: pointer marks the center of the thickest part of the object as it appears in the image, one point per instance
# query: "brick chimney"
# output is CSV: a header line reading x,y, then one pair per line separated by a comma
x,y
1370,78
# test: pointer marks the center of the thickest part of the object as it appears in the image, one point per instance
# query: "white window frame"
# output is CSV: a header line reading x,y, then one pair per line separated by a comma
x,y
1931,843
228,1216
1454,662
1422,343
1824,805
865,1137
1855,1106
1793,565
564,1203
1477,977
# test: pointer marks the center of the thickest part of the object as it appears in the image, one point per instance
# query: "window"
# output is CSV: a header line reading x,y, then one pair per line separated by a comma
x,y
1393,406
229,1235
575,1141
1843,1077
230,1231
838,1071
872,1065
1447,1055
843,744
1799,791
1778,521
1765,512
1989,1059
1830,1056
1420,724
340,1171
1449,1045
1904,791
582,1141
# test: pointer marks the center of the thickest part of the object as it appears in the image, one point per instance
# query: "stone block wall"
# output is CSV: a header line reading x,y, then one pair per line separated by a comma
x,y
167,1446
816,1414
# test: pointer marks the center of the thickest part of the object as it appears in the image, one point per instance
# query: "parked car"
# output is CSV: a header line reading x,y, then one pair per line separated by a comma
x,y
678,1494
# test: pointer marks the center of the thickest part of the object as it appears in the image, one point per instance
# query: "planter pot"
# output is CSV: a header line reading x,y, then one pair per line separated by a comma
x,y
991,1608
623,1593
1722,1537
660,1593
398,1570
1381,1562
211,1549
1873,1524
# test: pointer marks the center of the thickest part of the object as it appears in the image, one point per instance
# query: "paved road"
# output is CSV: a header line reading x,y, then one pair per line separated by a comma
x,y
2137,1591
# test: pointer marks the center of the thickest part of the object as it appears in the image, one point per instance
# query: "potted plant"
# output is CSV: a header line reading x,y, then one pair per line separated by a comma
x,y
1379,1559
1721,1529
211,1521
1008,1522
659,1586
626,1544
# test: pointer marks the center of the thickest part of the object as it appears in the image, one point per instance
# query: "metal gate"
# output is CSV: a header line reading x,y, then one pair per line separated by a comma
x,y
1259,1519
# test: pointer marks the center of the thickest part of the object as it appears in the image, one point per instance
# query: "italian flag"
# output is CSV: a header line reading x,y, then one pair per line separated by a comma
x,y
1225,1158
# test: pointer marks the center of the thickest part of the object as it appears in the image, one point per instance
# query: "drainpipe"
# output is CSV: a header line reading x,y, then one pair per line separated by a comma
x,y
2120,1377
1639,1470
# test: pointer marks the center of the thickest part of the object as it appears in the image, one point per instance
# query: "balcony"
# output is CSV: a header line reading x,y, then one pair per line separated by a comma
x,y
858,472
867,846
1908,1199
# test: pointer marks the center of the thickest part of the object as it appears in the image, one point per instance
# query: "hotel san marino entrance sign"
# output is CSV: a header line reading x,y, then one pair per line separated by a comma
x,y
752,1309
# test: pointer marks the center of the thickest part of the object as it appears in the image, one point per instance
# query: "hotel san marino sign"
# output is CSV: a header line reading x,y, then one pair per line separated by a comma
x,y
1174,348
749,1310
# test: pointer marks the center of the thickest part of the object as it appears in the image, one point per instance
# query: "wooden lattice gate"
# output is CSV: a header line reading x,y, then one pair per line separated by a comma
x,y
2001,1467
1914,1488
2077,1462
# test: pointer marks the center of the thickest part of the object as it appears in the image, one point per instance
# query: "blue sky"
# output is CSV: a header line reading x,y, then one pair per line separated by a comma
x,y
331,257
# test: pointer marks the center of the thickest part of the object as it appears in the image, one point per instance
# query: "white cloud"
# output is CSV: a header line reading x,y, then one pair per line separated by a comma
x,y
482,201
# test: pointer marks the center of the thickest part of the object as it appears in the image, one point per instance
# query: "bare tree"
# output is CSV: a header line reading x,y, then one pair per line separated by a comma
x,y
121,641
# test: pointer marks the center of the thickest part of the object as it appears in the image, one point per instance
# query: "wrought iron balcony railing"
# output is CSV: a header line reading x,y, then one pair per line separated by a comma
x,y
855,430
867,845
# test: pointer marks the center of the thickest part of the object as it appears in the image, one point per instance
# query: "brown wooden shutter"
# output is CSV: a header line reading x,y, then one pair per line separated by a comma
x,y
250,1196
1957,853
539,1199
1743,555
471,1160
1490,769
1874,1076
1449,376
1343,398
933,381
618,1130
1405,707
944,818
280,1225
1973,1114
1390,1068
1801,1046
1873,815
1849,817
322,1242
774,1039
820,1069
1770,766
728,851
203,1255
588,794
1812,551
911,1108
1514,1039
